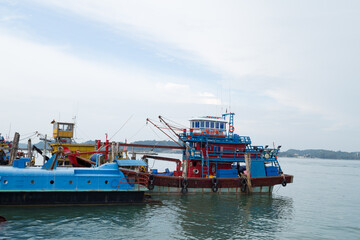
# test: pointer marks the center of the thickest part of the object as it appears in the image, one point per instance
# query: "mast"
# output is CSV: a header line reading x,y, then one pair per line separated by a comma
x,y
148,120
231,123
186,160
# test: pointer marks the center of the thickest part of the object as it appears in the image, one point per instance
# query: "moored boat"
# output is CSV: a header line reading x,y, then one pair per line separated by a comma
x,y
217,160
53,185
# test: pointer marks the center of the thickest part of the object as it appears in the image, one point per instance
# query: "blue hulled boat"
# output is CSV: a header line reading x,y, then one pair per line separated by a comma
x,y
49,184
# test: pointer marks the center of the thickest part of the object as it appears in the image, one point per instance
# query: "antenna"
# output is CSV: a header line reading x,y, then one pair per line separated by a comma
x,y
229,96
8,136
74,119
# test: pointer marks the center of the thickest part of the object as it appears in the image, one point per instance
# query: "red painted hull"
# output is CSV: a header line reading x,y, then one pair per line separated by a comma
x,y
235,184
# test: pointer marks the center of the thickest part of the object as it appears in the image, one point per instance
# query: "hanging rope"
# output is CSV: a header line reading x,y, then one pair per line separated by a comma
x,y
33,134
121,127
137,132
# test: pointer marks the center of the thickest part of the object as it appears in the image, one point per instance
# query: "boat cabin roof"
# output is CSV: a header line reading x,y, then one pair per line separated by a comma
x,y
209,125
209,119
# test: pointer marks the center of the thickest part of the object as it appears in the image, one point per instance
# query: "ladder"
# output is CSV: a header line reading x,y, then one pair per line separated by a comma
x,y
205,162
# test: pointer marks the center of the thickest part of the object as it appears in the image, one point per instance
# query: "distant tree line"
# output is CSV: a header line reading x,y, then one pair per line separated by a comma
x,y
292,153
320,153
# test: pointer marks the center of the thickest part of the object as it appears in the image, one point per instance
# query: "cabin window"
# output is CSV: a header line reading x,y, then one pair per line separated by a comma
x,y
6,182
202,124
212,125
88,181
207,124
193,124
70,182
52,182
32,181
221,125
196,124
106,182
217,125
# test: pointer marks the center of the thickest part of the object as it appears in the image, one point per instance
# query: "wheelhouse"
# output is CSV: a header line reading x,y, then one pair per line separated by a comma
x,y
208,125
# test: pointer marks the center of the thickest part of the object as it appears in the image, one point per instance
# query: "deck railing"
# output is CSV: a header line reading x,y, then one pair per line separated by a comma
x,y
134,180
233,156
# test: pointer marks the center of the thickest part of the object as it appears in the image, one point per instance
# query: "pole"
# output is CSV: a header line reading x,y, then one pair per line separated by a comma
x,y
14,148
248,171
29,153
44,153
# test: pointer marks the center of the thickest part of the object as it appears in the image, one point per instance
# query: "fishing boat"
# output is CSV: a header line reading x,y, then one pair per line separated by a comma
x,y
52,185
216,160
5,149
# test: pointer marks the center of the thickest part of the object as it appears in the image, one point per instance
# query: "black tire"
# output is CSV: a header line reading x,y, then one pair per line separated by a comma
x,y
214,180
151,186
184,190
185,183
151,177
214,188
283,183
243,188
243,181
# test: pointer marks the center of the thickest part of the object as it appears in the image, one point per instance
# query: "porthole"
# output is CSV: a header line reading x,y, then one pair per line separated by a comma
x,y
52,182
70,182
32,181
106,182
89,182
5,181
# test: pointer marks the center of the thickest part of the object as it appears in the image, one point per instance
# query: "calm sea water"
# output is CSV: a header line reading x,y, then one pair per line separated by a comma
x,y
322,203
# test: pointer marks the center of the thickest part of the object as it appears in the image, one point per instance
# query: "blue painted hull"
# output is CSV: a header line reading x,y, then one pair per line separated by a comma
x,y
22,185
70,198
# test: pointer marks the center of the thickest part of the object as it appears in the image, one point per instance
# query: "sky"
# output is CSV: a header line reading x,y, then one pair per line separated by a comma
x,y
289,70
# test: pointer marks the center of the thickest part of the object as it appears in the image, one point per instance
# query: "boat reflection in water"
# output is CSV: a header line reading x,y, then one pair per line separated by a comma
x,y
232,216
206,216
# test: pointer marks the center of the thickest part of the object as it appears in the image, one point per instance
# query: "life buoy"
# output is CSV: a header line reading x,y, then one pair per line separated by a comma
x,y
231,129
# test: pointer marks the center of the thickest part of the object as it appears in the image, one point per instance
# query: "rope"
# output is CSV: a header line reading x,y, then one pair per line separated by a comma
x,y
137,132
30,136
180,126
122,126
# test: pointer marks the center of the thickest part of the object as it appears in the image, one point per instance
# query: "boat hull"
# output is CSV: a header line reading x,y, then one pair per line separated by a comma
x,y
175,185
70,198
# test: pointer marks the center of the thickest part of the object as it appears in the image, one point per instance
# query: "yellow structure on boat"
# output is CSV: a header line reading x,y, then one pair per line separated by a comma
x,y
63,134
62,131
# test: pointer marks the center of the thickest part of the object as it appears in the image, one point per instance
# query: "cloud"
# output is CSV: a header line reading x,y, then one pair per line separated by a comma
x,y
285,65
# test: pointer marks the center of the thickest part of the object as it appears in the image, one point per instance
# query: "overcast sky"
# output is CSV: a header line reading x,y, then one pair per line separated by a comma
x,y
288,69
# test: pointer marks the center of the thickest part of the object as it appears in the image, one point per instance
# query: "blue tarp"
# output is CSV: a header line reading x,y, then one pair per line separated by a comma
x,y
130,163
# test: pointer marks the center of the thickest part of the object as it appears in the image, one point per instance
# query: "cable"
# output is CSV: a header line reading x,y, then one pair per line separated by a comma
x,y
122,126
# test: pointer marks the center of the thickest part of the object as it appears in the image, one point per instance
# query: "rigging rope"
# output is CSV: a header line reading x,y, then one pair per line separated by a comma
x,y
122,126
137,132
